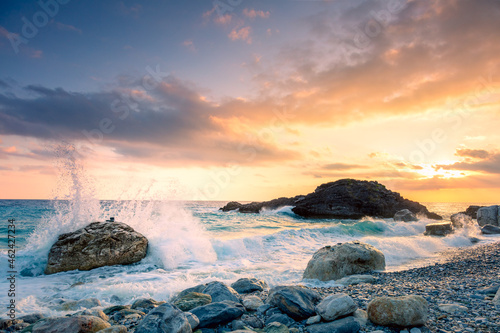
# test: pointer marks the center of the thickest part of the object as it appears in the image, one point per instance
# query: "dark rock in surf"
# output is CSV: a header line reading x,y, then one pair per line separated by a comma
x,y
438,229
472,211
405,215
98,244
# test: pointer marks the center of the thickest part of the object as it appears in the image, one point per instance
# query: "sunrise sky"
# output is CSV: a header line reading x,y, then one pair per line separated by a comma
x,y
252,100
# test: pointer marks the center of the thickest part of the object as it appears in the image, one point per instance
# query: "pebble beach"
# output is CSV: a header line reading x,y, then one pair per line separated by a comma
x,y
459,290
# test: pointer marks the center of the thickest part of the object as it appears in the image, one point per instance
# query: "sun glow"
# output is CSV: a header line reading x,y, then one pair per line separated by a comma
x,y
435,170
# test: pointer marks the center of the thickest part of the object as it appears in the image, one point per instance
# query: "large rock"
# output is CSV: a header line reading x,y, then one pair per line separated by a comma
x,y
249,285
405,215
438,229
164,319
218,313
488,215
403,311
461,220
297,302
355,199
336,306
98,244
79,324
344,325
490,229
221,292
192,300
335,262
472,211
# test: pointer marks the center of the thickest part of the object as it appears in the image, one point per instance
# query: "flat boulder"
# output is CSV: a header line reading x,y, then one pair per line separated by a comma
x,y
295,301
438,229
98,244
405,215
488,215
80,324
344,325
461,220
165,318
489,229
249,285
335,262
403,311
217,313
335,306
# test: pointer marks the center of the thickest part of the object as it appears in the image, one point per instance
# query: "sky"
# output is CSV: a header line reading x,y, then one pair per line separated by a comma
x,y
250,100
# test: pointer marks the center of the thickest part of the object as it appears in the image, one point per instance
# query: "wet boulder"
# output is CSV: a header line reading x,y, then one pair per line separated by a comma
x,y
295,301
438,229
335,262
405,215
490,230
488,215
403,311
98,244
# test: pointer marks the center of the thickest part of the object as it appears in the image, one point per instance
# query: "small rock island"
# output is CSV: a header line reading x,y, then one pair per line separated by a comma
x,y
342,199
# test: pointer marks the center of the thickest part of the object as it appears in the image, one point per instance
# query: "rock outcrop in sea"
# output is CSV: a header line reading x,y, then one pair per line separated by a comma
x,y
342,199
98,244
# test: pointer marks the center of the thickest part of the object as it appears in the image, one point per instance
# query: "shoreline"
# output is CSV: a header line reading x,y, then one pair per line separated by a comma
x,y
468,276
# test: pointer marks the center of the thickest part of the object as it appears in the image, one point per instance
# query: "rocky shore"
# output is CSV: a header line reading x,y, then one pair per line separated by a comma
x,y
458,291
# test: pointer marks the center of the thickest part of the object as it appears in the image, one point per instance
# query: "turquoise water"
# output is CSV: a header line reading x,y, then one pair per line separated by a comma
x,y
194,242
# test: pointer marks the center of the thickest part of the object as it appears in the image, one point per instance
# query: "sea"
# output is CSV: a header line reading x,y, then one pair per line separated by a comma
x,y
193,242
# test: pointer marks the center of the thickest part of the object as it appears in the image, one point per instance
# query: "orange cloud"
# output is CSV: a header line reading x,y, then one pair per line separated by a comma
x,y
241,34
252,13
